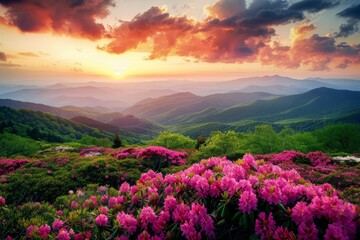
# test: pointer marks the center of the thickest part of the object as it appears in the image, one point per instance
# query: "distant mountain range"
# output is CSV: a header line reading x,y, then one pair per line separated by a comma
x,y
169,109
117,96
99,118
195,114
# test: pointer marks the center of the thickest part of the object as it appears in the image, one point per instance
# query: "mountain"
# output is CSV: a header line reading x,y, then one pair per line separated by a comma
x,y
168,109
275,89
137,125
315,104
61,112
42,126
86,102
95,124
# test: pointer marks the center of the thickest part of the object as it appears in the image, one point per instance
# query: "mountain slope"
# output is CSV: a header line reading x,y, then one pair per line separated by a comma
x,y
42,126
137,125
315,104
167,109
65,112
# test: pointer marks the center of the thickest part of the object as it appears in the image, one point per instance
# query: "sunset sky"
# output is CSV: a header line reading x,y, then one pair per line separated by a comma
x,y
129,40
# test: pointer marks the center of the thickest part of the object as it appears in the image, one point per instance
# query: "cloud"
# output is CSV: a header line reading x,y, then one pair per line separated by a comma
x,y
310,51
235,33
70,17
313,6
3,57
28,54
352,14
9,65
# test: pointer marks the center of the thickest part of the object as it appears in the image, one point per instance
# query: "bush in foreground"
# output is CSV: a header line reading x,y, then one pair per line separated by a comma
x,y
215,198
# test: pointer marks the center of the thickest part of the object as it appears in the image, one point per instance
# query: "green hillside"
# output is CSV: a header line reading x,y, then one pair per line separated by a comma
x,y
321,103
42,126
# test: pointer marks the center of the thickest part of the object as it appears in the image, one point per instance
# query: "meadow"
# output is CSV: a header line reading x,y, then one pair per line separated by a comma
x,y
176,187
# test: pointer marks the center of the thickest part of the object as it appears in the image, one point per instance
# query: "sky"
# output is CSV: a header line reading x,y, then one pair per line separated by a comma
x,y
131,40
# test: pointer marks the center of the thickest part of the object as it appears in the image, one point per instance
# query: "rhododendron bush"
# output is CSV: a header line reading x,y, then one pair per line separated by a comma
x,y
213,199
154,156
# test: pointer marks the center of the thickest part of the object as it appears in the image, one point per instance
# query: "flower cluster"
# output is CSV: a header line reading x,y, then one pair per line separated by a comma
x,y
10,165
155,157
175,158
209,200
126,153
312,158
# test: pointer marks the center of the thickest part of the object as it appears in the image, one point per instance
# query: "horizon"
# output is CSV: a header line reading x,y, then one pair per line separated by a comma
x,y
207,40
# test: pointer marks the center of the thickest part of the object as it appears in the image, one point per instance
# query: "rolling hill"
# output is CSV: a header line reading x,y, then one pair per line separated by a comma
x,y
43,126
168,109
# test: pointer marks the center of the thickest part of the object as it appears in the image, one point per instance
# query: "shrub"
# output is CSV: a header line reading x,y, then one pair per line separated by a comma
x,y
215,198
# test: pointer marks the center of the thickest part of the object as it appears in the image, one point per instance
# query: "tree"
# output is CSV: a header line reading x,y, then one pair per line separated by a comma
x,y
264,139
221,144
172,141
117,141
343,137
200,140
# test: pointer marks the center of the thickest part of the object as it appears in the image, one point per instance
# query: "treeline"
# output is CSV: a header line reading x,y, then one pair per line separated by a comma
x,y
264,139
45,127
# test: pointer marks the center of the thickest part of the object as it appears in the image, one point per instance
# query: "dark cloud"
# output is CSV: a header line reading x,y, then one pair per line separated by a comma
x,y
313,6
348,28
3,57
351,12
71,17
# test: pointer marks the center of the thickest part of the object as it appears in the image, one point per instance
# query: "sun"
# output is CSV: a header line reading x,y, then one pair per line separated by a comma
x,y
118,73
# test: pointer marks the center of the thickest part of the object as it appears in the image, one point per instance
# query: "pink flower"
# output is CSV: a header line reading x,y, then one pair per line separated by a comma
x,y
147,216
125,187
168,190
307,231
3,179
74,204
103,210
71,192
189,231
57,224
264,227
247,201
335,231
101,220
44,231
2,201
170,203
301,213
63,234
249,161
144,236
59,212
180,213
283,233
128,222
104,198
30,231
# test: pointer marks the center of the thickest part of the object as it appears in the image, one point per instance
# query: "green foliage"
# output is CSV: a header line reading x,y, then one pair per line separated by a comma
x,y
172,141
221,144
41,126
11,145
340,137
264,139
89,141
55,175
117,142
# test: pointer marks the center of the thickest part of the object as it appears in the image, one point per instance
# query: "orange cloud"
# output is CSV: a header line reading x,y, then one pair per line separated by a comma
x,y
71,17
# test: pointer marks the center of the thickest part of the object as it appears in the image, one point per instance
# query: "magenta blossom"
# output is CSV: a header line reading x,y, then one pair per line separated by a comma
x,y
101,220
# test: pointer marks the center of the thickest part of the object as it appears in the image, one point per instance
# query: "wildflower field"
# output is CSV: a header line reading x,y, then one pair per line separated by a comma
x,y
157,193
